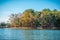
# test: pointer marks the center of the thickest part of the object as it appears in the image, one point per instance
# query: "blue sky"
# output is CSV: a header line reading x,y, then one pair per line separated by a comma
x,y
8,7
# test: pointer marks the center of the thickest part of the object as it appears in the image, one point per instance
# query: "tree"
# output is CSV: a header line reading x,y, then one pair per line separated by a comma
x,y
57,22
25,19
2,24
14,20
30,18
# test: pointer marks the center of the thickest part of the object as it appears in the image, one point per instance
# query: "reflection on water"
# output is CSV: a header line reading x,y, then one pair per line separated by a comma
x,y
17,34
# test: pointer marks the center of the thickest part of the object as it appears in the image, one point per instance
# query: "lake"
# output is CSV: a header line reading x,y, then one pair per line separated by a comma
x,y
18,34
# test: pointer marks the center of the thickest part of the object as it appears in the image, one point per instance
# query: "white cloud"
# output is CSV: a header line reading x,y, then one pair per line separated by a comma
x,y
6,19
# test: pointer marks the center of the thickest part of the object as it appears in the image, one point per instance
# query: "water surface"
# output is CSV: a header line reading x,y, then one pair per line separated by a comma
x,y
17,34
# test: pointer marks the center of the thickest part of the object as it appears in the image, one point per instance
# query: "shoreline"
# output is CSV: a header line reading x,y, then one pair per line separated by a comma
x,y
30,28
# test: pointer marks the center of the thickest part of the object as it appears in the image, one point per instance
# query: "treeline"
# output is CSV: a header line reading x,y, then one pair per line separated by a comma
x,y
30,18
4,25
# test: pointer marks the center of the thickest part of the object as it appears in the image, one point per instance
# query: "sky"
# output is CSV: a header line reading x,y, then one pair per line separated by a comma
x,y
7,7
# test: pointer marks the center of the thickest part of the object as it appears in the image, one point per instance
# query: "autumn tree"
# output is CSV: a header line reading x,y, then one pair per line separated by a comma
x,y
30,18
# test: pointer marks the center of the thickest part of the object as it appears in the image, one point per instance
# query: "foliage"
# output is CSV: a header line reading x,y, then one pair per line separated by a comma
x,y
30,18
